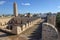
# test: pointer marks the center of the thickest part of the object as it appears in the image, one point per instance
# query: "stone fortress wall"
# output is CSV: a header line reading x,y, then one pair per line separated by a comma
x,y
19,29
16,29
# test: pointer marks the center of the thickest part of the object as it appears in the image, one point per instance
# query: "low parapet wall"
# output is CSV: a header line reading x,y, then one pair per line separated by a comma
x,y
19,29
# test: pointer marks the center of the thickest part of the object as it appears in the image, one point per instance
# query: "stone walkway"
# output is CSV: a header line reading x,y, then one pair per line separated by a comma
x,y
34,33
59,36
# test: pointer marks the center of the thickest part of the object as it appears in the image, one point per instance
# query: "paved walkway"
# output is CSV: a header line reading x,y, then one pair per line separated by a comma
x,y
59,36
33,33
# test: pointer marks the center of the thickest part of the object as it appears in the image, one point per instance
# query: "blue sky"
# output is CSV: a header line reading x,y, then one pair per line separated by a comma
x,y
32,6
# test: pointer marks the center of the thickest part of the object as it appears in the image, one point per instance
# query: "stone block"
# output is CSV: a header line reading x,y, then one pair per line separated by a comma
x,y
16,30
29,23
19,30
23,27
26,25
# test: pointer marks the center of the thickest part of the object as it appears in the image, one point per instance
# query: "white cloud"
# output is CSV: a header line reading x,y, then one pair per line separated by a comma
x,y
2,2
26,4
58,6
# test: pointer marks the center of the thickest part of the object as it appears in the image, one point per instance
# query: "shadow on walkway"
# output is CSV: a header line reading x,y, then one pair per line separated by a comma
x,y
37,34
3,34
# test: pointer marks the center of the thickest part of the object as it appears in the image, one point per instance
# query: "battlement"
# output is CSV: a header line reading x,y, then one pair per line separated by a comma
x,y
19,28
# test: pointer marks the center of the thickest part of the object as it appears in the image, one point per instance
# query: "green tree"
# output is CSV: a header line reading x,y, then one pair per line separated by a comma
x,y
58,20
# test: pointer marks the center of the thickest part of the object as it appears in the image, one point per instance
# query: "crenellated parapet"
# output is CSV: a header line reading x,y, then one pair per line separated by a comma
x,y
20,29
15,26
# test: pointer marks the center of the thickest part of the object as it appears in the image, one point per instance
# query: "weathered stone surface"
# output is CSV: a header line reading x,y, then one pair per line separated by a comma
x,y
51,19
15,9
17,29
49,32
4,21
23,27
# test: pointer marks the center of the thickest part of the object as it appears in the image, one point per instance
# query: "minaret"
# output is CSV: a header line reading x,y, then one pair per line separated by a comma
x,y
15,9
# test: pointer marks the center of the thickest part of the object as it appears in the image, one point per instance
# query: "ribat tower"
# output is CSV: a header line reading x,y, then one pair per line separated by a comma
x,y
15,9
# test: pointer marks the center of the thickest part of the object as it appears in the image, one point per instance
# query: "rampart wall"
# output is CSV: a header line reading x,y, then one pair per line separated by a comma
x,y
19,29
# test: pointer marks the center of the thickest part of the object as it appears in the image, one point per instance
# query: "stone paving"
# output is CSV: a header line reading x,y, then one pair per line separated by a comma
x,y
59,36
